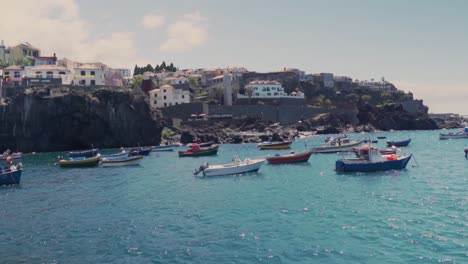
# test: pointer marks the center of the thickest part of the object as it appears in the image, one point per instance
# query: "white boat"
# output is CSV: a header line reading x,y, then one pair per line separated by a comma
x,y
457,135
339,145
129,161
237,167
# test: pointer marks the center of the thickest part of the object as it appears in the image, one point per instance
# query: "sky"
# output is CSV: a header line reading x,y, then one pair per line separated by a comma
x,y
420,45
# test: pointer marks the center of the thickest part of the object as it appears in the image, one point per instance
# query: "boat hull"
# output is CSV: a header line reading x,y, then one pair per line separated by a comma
x,y
359,165
9,177
398,144
290,158
232,169
204,152
130,161
281,145
89,162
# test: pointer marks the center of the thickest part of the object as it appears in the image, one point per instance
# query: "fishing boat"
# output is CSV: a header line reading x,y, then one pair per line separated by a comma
x,y
197,151
339,145
201,145
120,155
83,153
128,161
80,162
237,167
274,145
402,143
10,175
457,135
370,160
291,157
15,156
139,151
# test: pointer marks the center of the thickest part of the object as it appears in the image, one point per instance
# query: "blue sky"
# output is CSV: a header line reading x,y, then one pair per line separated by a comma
x,y
421,46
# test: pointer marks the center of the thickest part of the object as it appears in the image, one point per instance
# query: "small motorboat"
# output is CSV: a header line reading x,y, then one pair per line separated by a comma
x,y
139,151
128,161
120,155
83,153
274,145
10,175
370,141
381,137
457,135
370,160
201,145
15,156
398,144
197,151
237,167
339,145
162,150
80,162
291,157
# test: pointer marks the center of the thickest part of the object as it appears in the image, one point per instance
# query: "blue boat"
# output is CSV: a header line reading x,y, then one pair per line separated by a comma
x,y
85,153
403,143
116,156
372,160
10,175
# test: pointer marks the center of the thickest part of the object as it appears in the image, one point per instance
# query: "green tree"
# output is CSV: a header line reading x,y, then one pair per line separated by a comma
x,y
136,70
249,92
157,69
366,98
193,81
163,66
149,68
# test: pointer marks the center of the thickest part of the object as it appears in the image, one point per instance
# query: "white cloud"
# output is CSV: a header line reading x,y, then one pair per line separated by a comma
x,y
152,21
57,27
187,33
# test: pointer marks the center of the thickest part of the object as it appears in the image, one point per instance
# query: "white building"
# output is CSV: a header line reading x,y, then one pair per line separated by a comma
x,y
175,80
167,95
49,72
89,74
268,89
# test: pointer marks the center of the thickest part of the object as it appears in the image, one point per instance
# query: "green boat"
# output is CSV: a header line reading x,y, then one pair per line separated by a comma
x,y
213,150
80,162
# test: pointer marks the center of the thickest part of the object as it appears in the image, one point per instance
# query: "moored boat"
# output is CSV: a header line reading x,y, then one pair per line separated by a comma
x,y
237,167
80,162
128,161
466,153
201,145
83,153
387,151
10,175
274,145
457,135
381,137
197,151
401,143
120,155
371,160
139,151
340,145
289,158
15,156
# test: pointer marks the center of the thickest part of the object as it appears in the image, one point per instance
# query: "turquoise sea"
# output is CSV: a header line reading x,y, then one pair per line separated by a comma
x,y
305,213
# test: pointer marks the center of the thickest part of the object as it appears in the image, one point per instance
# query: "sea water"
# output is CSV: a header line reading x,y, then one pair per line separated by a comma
x,y
159,212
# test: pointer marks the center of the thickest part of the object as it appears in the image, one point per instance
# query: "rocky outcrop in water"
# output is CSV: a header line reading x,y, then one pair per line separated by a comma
x,y
53,120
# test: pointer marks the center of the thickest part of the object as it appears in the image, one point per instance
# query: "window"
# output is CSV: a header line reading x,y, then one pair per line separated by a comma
x,y
273,88
7,73
38,74
164,97
255,88
155,95
257,94
50,74
17,74
62,73
268,94
93,73
25,52
93,82
176,103
183,96
275,94
82,82
164,91
155,102
83,73
165,104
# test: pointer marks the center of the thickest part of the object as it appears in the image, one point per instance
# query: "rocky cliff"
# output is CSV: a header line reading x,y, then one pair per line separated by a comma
x,y
53,120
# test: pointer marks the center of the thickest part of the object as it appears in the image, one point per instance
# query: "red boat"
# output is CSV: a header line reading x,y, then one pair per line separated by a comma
x,y
290,158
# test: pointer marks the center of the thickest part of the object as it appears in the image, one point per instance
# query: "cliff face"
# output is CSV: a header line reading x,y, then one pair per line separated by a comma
x,y
39,121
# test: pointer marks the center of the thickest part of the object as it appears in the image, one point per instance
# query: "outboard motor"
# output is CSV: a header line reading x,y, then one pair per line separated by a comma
x,y
202,168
